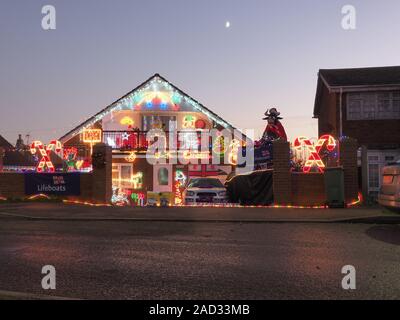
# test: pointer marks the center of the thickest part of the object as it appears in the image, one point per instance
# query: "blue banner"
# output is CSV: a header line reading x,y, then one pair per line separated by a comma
x,y
59,184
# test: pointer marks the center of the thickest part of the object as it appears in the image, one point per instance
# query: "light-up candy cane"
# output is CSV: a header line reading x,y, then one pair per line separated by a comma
x,y
54,145
314,158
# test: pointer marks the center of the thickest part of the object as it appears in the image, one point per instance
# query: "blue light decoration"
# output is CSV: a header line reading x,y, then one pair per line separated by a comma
x,y
163,105
149,104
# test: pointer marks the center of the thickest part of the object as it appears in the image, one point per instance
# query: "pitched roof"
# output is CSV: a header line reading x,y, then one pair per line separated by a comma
x,y
117,105
19,159
5,144
376,76
355,79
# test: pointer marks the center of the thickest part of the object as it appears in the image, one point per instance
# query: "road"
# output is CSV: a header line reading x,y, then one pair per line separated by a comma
x,y
197,260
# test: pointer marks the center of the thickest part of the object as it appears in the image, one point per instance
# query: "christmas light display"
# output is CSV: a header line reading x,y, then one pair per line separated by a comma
x,y
178,194
138,198
92,136
38,196
45,152
131,157
219,145
87,203
189,155
314,158
79,164
180,182
127,121
233,151
133,100
69,155
180,177
125,136
136,181
119,197
189,122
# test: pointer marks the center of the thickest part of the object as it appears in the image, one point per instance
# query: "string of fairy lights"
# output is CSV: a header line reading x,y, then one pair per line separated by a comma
x,y
139,95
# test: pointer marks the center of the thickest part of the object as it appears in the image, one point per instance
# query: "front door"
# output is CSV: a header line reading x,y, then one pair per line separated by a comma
x,y
162,178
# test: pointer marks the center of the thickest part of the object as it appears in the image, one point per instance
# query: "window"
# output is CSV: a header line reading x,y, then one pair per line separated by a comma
x,y
163,176
124,177
166,123
396,105
373,105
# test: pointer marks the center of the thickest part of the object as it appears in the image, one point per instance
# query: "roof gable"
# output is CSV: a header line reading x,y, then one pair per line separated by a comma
x,y
377,76
155,87
5,144
354,79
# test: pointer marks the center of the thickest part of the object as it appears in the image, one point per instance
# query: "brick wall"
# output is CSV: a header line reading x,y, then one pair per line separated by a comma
x,y
328,118
348,160
372,133
12,185
95,186
1,159
102,176
281,176
308,189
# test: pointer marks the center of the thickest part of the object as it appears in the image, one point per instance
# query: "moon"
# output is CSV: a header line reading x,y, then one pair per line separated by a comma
x,y
227,24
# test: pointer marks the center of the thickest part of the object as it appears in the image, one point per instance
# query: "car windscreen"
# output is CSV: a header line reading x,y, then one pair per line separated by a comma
x,y
205,183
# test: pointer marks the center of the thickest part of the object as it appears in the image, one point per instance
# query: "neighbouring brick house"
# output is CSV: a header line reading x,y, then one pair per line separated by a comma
x,y
4,146
13,159
362,103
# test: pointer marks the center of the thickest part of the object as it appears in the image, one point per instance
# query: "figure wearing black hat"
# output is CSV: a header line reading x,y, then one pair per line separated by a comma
x,y
274,129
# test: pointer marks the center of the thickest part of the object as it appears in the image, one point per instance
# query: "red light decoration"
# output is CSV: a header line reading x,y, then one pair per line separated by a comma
x,y
178,194
314,158
200,124
45,161
156,101
70,153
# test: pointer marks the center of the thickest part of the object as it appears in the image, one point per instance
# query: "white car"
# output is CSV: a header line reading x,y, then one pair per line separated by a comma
x,y
205,190
389,195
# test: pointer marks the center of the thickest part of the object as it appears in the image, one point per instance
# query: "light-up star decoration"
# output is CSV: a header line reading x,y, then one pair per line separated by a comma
x,y
125,136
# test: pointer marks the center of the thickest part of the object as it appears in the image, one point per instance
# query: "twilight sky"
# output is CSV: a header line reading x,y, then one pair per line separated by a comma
x,y
50,81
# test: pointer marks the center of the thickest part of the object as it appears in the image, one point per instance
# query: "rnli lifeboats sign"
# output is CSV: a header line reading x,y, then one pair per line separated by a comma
x,y
58,184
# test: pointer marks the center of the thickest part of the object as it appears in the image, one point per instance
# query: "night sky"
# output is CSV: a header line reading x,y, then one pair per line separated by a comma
x,y
267,55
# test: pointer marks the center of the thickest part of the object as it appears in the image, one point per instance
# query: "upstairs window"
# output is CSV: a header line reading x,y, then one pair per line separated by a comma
x,y
373,106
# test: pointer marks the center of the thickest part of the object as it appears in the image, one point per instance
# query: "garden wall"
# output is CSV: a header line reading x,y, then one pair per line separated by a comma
x,y
308,189
94,187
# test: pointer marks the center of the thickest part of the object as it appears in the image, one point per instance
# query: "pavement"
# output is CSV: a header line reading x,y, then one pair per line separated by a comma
x,y
186,260
73,212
